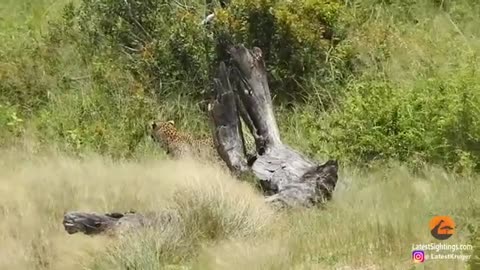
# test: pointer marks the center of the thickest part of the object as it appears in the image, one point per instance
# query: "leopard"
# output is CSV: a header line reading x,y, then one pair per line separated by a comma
x,y
177,144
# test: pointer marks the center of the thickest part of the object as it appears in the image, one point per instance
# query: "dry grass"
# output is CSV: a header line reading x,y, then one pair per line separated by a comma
x,y
371,224
35,191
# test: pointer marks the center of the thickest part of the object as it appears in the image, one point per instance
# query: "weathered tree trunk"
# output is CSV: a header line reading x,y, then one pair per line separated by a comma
x,y
289,177
227,131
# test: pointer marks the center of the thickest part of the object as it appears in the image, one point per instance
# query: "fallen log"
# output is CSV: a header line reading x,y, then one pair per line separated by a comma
x,y
115,223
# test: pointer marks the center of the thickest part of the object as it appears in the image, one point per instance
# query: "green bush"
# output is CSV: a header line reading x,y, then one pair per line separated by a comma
x,y
417,99
299,40
76,92
436,122
167,50
159,42
378,80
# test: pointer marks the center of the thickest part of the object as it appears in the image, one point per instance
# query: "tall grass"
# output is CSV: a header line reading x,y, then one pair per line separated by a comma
x,y
372,222
36,191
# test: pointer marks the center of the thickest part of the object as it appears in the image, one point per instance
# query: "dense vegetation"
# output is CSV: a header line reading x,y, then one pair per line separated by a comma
x,y
365,81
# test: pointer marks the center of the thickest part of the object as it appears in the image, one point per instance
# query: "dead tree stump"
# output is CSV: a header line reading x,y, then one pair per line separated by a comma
x,y
286,176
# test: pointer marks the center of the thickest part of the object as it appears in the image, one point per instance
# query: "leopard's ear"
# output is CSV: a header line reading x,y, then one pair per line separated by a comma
x,y
154,125
171,122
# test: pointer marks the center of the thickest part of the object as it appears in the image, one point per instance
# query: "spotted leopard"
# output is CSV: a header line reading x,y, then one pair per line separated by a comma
x,y
177,143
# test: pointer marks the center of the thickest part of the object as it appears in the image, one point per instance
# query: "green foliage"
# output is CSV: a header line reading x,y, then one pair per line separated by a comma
x,y
23,81
435,122
107,124
77,93
379,80
106,68
161,42
12,122
298,39
167,49
417,98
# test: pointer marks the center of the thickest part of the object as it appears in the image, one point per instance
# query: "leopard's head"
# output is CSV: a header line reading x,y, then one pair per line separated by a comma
x,y
163,131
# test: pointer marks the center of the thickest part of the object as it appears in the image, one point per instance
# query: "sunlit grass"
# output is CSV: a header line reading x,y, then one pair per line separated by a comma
x,y
373,220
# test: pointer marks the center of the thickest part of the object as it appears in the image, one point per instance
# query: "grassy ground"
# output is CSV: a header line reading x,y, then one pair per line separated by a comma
x,y
372,223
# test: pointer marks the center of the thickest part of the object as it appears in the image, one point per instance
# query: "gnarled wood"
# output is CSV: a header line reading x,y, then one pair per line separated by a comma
x,y
290,178
227,132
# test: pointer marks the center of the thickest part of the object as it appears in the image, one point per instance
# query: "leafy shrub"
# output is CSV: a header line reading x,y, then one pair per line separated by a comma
x,y
435,122
73,88
169,51
416,98
161,42
297,38
105,68
95,78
